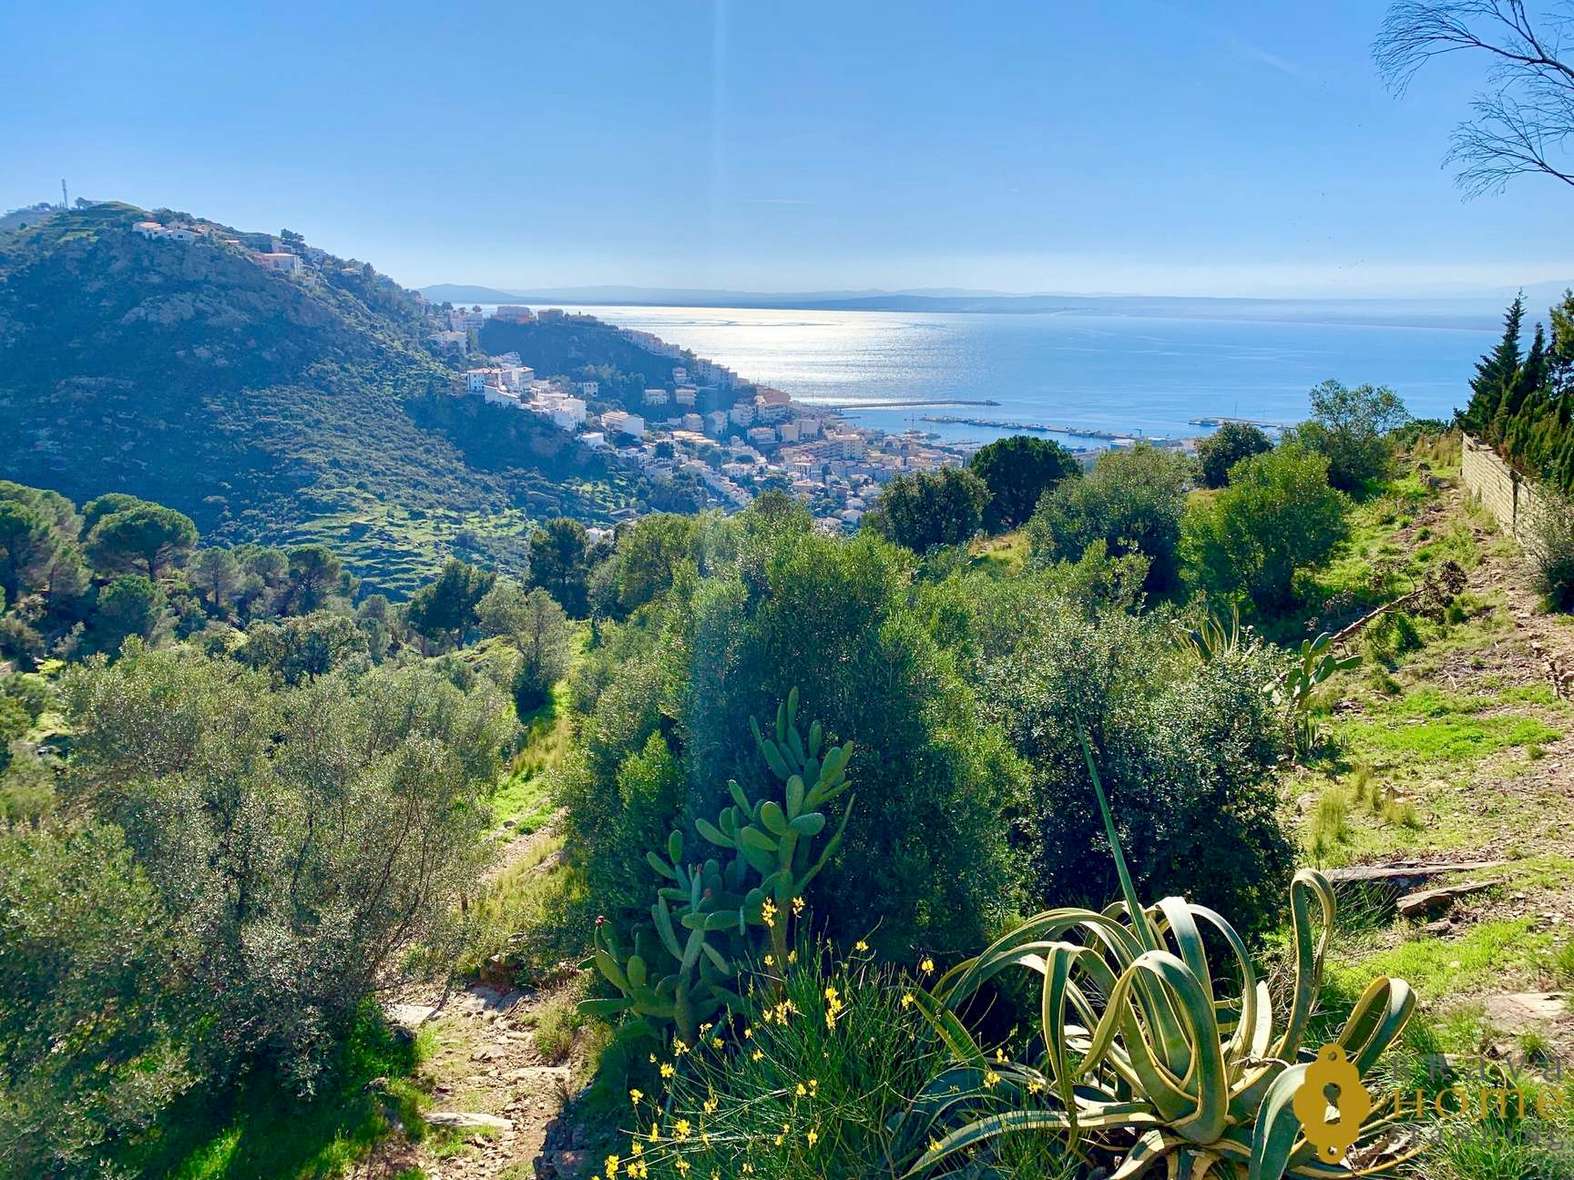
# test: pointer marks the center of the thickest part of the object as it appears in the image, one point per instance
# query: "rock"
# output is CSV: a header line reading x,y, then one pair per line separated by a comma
x,y
489,1053
532,1073
409,1016
1433,901
1517,1012
1438,928
465,1119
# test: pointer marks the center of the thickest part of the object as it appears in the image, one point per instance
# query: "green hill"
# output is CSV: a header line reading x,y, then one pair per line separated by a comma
x,y
264,406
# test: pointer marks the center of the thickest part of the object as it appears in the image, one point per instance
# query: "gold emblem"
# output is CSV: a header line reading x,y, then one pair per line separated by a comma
x,y
1331,1071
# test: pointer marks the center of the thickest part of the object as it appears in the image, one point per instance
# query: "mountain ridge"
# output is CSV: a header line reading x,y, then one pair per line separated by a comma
x,y
267,407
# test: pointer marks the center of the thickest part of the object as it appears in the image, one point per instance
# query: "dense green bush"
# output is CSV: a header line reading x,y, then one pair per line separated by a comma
x,y
1188,748
930,508
93,1028
1018,471
925,858
1226,447
300,838
1551,547
1350,427
1277,515
1131,500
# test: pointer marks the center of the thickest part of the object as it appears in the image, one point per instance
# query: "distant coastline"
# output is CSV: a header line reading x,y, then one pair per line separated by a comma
x,y
1468,313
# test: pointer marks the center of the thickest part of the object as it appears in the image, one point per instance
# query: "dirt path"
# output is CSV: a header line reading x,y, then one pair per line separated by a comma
x,y
493,1088
1512,661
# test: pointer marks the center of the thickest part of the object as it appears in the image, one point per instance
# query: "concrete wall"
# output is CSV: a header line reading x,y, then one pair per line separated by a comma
x,y
1502,491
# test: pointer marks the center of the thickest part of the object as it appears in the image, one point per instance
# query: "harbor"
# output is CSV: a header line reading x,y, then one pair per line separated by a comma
x,y
1042,428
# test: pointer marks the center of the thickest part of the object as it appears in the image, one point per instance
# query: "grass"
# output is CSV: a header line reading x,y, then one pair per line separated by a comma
x,y
1488,956
260,1130
524,795
1449,739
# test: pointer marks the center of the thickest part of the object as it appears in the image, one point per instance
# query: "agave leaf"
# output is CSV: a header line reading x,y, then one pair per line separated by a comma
x,y
1277,1127
1380,1015
1307,887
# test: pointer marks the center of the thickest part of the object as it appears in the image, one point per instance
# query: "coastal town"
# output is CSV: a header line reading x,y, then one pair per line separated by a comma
x,y
696,422
733,438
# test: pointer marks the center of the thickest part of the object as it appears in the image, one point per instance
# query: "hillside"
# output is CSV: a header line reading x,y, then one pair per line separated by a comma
x,y
265,406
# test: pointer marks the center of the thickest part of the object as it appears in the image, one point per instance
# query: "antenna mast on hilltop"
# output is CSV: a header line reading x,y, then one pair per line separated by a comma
x,y
65,202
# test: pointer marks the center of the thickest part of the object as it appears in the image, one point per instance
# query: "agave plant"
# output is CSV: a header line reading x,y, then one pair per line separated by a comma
x,y
1145,1055
712,917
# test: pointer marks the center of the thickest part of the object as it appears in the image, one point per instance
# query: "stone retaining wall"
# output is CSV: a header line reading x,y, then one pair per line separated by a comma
x,y
1502,490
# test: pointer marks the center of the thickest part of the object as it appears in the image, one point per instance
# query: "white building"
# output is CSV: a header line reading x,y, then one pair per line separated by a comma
x,y
622,422
517,377
569,413
593,439
511,314
679,375
478,380
762,436
742,414
693,422
284,264
716,423
656,397
684,395
589,388
788,432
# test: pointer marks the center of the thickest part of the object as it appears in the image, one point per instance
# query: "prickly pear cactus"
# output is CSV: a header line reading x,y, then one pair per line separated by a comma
x,y
711,917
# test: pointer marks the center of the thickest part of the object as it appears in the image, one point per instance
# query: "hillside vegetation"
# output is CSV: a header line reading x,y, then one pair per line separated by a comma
x,y
266,407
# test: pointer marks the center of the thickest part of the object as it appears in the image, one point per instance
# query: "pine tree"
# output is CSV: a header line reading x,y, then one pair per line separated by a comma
x,y
1496,372
1521,393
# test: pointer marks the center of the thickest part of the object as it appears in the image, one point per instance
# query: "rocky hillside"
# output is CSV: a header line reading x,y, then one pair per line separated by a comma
x,y
265,406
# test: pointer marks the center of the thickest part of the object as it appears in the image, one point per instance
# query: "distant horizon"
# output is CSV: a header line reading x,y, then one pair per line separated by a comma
x,y
1207,151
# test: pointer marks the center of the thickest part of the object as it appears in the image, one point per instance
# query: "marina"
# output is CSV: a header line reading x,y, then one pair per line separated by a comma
x,y
1041,427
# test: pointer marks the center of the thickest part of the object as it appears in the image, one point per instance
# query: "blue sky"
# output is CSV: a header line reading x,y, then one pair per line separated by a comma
x,y
1186,148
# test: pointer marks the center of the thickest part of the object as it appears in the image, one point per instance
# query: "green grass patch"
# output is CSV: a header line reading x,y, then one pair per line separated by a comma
x,y
1448,739
1488,956
261,1130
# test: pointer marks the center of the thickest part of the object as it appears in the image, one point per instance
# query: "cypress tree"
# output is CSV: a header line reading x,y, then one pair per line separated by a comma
x,y
1496,371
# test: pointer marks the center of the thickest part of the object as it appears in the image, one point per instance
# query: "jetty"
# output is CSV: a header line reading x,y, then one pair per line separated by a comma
x,y
902,403
1041,427
1220,421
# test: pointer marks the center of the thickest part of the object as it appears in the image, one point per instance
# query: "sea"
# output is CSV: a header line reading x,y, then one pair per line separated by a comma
x,y
1128,375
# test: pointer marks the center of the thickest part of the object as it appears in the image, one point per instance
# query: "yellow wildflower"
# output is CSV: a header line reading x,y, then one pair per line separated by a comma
x,y
666,1069
770,960
716,1042
682,1165
927,966
797,906
757,1055
611,1166
747,1032
678,1047
768,913
792,956
907,999
814,1086
801,1090
635,1096
991,1077
813,1136
680,1129
860,946
655,1132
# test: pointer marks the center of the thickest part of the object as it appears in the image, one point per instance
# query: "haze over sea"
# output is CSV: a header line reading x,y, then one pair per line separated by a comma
x,y
1121,373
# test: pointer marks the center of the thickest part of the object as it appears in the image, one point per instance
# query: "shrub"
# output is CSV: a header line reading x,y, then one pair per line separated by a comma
x,y
544,636
1226,447
1349,428
302,836
930,508
1018,471
1277,516
1131,500
131,606
92,1024
1191,747
925,856
1551,548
